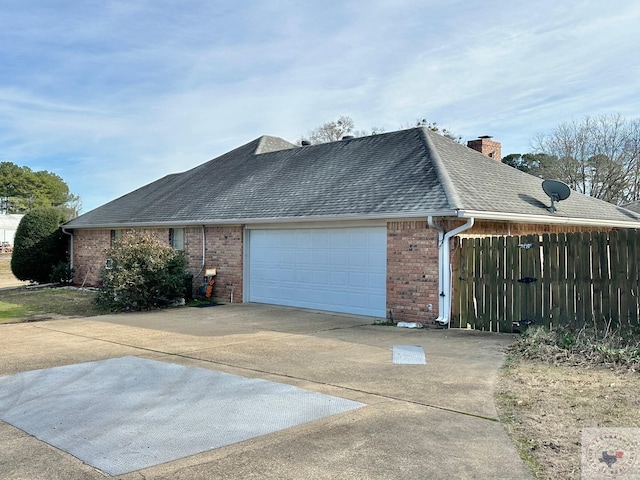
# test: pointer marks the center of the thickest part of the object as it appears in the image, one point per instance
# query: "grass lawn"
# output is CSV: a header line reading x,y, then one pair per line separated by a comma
x,y
22,305
11,311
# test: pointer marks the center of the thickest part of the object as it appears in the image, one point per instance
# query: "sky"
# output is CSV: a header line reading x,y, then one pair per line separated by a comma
x,y
111,95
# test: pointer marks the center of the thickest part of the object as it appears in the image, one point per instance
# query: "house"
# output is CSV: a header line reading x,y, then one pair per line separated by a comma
x,y
362,225
8,227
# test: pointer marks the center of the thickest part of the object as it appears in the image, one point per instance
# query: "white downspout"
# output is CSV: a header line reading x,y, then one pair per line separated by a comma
x,y
441,275
444,269
204,252
70,246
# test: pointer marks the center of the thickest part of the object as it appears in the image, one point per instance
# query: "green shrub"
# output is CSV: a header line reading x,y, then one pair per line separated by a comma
x,y
141,273
39,244
62,274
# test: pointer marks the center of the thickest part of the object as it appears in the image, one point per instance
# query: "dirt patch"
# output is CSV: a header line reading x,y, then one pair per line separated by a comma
x,y
545,405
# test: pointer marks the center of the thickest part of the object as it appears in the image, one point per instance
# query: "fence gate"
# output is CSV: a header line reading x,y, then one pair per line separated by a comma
x,y
506,283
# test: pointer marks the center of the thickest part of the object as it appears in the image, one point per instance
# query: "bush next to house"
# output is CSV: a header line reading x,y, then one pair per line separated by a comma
x,y
39,244
140,273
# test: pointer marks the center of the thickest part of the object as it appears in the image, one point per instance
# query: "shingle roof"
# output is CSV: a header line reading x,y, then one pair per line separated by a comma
x,y
492,189
408,173
633,206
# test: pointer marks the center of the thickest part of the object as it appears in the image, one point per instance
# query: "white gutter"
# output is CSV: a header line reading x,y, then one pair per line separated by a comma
x,y
245,221
444,267
70,247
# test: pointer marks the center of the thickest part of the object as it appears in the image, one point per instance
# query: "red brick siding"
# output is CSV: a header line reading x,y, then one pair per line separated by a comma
x,y
89,247
412,271
223,251
489,228
487,147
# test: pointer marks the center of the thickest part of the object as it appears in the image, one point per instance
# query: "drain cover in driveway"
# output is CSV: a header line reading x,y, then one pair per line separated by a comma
x,y
408,355
128,413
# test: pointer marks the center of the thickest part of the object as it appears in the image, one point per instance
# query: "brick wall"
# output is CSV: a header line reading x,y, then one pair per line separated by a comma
x,y
89,247
412,272
223,252
487,228
487,147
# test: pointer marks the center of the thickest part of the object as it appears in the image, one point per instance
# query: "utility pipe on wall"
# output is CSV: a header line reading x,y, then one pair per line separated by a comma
x,y
204,252
64,230
440,231
444,267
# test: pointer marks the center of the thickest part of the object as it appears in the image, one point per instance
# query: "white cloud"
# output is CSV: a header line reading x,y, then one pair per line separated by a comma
x,y
115,95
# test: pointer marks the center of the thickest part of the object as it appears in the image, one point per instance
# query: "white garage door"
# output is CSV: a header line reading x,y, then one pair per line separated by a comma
x,y
334,269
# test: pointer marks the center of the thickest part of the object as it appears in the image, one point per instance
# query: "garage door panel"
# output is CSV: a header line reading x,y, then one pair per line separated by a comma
x,y
321,240
335,269
377,258
304,276
288,274
320,257
303,257
338,278
358,280
378,279
338,257
320,278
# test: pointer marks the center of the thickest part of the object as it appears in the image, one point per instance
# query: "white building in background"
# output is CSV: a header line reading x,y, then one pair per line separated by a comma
x,y
8,226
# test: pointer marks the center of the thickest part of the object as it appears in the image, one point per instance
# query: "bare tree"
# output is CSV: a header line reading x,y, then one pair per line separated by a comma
x,y
337,129
434,127
344,125
597,156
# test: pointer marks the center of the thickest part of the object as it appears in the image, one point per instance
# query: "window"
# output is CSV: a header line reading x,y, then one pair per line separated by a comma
x,y
176,238
115,236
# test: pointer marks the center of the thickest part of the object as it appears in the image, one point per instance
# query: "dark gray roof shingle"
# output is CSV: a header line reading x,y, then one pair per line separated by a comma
x,y
633,206
408,173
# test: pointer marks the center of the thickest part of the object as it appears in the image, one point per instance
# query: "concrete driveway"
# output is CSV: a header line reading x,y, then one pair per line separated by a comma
x,y
420,421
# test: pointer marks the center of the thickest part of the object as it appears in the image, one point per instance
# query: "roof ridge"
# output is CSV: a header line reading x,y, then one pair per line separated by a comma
x,y
269,143
441,171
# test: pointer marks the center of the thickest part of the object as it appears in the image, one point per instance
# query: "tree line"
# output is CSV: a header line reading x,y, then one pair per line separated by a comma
x,y
597,156
22,190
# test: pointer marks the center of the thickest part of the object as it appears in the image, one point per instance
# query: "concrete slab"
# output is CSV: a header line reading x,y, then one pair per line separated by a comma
x,y
421,421
124,414
408,355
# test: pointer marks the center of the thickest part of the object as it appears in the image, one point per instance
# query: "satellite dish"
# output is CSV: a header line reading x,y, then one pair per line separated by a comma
x,y
556,191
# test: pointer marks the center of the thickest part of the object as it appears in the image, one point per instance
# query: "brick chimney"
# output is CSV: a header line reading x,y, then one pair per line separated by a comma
x,y
487,147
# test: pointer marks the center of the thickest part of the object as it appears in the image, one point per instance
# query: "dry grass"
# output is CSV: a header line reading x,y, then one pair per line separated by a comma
x,y
22,305
27,305
6,276
546,401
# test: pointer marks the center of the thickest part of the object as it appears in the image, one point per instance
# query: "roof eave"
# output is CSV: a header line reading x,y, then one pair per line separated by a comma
x,y
421,214
544,219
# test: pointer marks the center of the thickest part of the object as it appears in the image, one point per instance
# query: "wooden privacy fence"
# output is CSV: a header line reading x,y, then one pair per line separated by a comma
x,y
505,283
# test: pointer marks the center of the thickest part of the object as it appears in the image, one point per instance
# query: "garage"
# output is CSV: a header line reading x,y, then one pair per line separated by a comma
x,y
333,269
